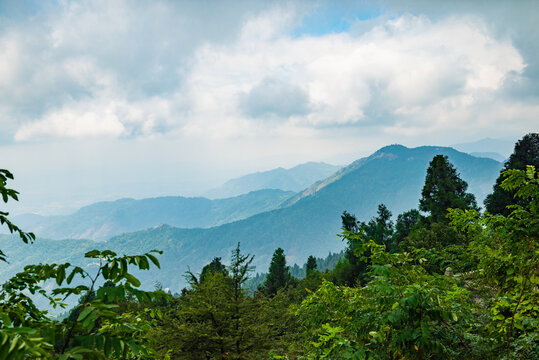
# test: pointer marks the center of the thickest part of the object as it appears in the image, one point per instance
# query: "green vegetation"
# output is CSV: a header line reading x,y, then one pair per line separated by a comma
x,y
95,329
445,283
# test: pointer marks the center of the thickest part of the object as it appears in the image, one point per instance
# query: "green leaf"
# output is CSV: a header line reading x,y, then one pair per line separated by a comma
x,y
60,275
154,260
133,280
92,254
85,312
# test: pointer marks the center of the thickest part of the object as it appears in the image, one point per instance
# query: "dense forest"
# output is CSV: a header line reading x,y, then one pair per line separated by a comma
x,y
445,280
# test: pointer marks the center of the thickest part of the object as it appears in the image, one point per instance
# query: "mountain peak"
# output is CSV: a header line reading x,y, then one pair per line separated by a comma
x,y
392,148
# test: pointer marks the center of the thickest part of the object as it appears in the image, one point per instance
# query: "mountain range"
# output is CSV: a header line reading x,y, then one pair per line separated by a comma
x,y
306,224
102,220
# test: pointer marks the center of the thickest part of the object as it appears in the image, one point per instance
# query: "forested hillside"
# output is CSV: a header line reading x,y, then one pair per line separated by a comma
x,y
102,220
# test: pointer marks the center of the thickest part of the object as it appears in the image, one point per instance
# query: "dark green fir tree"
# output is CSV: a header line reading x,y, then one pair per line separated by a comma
x,y
279,274
444,189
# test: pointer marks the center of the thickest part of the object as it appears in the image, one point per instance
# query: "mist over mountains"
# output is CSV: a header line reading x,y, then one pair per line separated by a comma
x,y
102,220
306,224
248,195
294,179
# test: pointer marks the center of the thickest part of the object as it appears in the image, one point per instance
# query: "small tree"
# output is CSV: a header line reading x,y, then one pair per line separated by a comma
x,y
217,319
444,189
279,274
214,266
311,264
526,153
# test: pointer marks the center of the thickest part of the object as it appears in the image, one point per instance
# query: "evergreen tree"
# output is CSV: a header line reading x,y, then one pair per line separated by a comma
x,y
350,223
444,189
279,274
348,270
214,266
311,264
240,267
526,153
380,229
217,319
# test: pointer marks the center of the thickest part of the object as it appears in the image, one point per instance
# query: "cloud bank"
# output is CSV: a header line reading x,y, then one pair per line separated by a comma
x,y
108,69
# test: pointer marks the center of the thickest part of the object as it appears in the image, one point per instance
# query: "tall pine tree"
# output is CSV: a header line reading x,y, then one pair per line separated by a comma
x,y
279,274
444,189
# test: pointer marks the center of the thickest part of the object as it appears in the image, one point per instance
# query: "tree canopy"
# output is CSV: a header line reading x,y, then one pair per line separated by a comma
x,y
526,153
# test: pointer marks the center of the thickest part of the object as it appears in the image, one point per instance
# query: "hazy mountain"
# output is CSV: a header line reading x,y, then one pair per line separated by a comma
x,y
487,145
491,155
293,179
394,175
105,219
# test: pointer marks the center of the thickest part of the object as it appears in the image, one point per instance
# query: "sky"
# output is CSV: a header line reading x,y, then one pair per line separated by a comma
x,y
104,99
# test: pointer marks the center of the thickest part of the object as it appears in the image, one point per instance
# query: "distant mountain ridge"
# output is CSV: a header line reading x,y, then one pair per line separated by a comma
x,y
394,175
102,220
491,155
294,179
502,147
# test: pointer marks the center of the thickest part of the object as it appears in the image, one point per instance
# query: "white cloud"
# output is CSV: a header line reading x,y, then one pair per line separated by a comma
x,y
404,70
74,122
109,69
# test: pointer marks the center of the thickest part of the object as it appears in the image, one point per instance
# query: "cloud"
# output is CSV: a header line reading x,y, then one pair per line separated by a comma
x,y
103,68
94,55
275,98
407,74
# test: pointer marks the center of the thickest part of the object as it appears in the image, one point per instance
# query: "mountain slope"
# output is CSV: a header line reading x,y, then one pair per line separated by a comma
x,y
294,179
105,219
394,175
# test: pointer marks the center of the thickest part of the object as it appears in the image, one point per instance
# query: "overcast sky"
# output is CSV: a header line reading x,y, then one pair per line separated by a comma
x,y
106,99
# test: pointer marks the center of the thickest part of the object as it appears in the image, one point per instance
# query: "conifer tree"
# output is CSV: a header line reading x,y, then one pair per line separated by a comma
x,y
526,153
349,222
279,274
444,189
214,266
311,264
380,228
